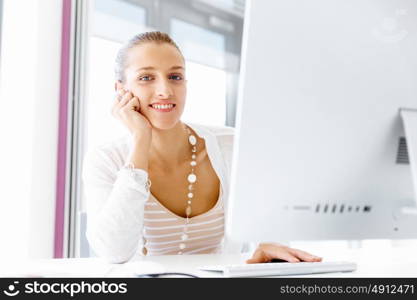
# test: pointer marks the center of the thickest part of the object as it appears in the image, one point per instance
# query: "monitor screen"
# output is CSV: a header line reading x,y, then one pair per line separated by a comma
x,y
320,147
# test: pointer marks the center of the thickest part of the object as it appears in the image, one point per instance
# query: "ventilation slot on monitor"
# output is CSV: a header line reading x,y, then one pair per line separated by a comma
x,y
341,208
402,154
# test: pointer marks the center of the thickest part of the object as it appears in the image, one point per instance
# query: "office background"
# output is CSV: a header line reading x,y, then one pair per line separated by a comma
x,y
57,60
56,88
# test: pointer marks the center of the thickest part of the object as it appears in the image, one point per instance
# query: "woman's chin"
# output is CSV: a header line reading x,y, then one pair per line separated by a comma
x,y
164,124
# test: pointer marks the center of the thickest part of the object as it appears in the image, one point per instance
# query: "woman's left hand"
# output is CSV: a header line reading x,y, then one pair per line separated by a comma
x,y
266,252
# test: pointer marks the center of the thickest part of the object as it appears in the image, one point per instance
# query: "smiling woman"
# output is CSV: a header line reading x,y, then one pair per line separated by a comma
x,y
163,188
152,92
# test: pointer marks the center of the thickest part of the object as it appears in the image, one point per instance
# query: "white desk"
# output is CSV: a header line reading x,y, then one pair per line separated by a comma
x,y
400,262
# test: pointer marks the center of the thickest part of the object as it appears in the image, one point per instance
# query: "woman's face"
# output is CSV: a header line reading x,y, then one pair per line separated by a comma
x,y
155,73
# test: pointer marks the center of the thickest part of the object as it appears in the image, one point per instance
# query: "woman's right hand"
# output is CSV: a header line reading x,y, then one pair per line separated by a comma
x,y
126,108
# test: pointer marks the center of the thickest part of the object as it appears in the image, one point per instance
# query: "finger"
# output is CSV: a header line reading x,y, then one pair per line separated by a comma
x,y
136,104
132,104
305,256
285,255
257,257
280,252
119,94
263,257
116,104
125,99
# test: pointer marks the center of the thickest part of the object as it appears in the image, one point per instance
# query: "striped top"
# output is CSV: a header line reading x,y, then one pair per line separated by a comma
x,y
162,231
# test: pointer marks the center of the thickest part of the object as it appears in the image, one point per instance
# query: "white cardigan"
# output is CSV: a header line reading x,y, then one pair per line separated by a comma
x,y
116,196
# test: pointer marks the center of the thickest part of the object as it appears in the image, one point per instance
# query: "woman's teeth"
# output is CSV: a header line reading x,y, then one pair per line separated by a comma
x,y
163,106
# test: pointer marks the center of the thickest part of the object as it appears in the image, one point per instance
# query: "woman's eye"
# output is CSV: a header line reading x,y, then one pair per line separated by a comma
x,y
176,77
145,78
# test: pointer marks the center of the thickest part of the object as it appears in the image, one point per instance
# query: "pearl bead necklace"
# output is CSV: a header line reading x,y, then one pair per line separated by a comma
x,y
192,178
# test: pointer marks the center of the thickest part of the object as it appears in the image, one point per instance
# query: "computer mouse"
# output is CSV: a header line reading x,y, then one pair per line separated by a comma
x,y
278,260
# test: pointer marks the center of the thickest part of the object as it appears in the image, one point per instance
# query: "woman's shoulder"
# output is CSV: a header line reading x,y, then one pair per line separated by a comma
x,y
223,136
220,132
112,152
115,144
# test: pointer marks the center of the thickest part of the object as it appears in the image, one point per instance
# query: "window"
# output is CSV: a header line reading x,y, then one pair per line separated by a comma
x,y
117,20
198,44
100,125
206,95
204,51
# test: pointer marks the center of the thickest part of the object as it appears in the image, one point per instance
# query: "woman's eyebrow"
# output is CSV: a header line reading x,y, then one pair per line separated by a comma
x,y
177,68
152,68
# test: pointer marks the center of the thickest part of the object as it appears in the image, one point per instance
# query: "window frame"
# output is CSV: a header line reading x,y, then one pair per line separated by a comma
x,y
77,116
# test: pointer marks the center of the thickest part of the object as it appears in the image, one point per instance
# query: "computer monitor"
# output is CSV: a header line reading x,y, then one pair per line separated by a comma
x,y
326,87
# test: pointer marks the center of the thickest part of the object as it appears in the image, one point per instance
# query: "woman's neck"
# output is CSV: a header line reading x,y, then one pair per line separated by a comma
x,y
169,148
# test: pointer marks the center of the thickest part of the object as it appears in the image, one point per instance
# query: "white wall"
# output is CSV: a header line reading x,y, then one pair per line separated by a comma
x,y
30,75
45,135
16,119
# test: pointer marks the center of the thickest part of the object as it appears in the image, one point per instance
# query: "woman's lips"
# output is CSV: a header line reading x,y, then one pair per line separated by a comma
x,y
162,109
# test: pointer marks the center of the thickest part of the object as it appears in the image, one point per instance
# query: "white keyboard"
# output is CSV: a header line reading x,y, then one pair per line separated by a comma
x,y
283,269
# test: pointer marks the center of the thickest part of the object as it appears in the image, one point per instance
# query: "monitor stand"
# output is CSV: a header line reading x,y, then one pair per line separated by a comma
x,y
409,117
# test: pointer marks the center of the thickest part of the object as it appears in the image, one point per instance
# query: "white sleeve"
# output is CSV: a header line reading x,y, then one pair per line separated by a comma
x,y
115,202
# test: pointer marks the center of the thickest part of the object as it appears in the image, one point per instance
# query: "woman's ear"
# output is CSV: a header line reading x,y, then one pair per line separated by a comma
x,y
118,85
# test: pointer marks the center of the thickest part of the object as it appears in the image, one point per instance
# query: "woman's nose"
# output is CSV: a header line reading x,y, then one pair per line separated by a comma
x,y
163,89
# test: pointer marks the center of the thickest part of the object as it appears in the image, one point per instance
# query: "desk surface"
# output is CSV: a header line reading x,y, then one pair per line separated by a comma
x,y
398,263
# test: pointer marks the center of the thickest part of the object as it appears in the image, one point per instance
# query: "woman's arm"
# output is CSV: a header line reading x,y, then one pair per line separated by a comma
x,y
115,201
